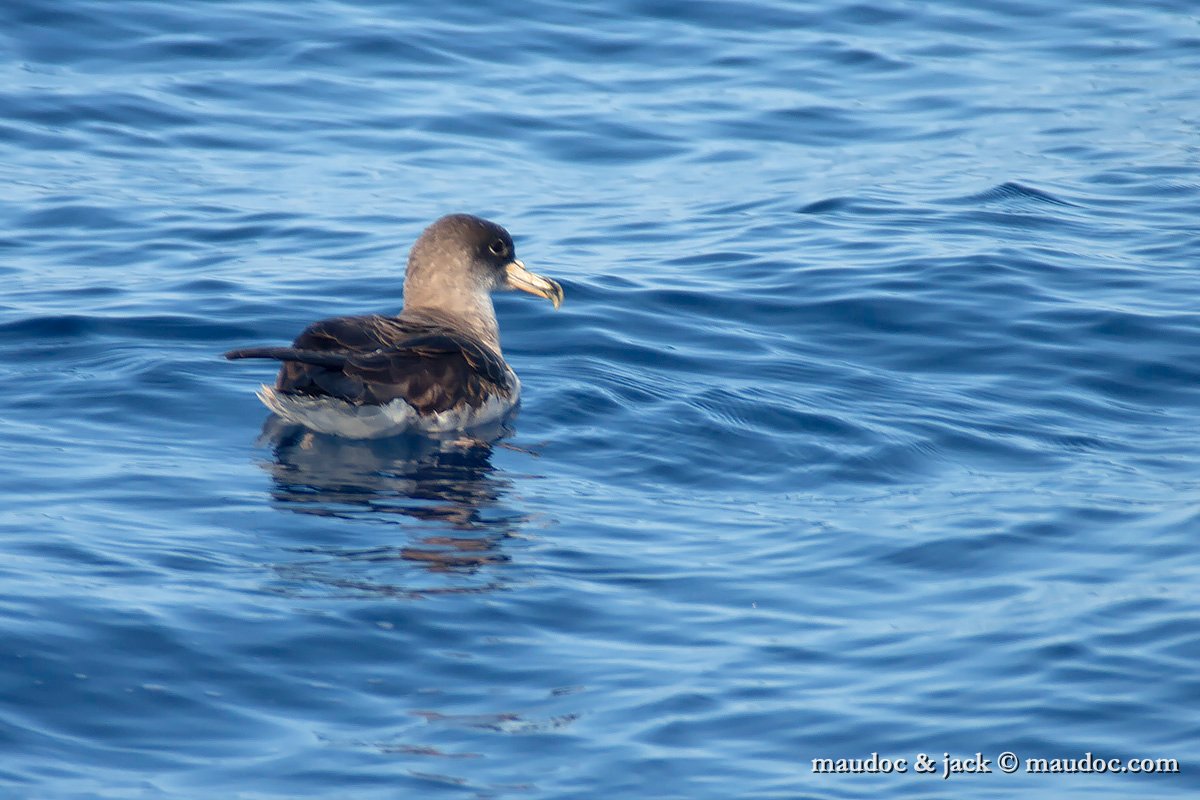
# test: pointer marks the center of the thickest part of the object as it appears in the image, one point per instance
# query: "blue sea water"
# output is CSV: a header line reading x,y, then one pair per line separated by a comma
x,y
868,424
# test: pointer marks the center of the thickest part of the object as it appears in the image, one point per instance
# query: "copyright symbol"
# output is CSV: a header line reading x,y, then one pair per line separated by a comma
x,y
1008,762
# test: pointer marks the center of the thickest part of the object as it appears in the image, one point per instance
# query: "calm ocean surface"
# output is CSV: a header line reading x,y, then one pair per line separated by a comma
x,y
868,424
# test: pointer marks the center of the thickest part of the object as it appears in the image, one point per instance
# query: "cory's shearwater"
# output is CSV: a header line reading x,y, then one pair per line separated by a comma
x,y
435,367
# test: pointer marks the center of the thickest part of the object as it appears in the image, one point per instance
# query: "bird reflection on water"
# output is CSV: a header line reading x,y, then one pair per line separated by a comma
x,y
443,494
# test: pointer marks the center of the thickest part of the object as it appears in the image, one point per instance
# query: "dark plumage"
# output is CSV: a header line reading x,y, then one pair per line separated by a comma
x,y
436,366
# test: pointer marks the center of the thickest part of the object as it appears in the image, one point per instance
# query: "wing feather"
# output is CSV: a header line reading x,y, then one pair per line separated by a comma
x,y
373,360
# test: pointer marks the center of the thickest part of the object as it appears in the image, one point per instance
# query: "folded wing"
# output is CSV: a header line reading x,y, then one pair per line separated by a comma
x,y
374,360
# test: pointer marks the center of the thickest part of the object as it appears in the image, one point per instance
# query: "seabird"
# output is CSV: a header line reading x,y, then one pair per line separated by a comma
x,y
435,367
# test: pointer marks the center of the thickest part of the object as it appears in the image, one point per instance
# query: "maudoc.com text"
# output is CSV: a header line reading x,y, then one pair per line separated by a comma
x,y
1007,762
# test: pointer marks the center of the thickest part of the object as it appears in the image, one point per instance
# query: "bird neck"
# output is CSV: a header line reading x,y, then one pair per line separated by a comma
x,y
474,314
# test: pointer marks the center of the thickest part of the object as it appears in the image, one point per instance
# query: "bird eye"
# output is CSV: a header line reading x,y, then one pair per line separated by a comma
x,y
498,248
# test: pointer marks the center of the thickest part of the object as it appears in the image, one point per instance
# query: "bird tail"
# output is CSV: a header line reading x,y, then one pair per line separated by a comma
x,y
314,357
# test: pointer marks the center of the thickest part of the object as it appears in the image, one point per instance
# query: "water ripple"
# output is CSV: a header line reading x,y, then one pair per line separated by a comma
x,y
866,426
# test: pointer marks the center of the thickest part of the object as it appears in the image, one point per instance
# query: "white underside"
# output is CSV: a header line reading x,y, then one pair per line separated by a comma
x,y
339,418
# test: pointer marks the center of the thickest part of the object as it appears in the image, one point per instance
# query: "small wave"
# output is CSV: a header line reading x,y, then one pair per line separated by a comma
x,y
1013,193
